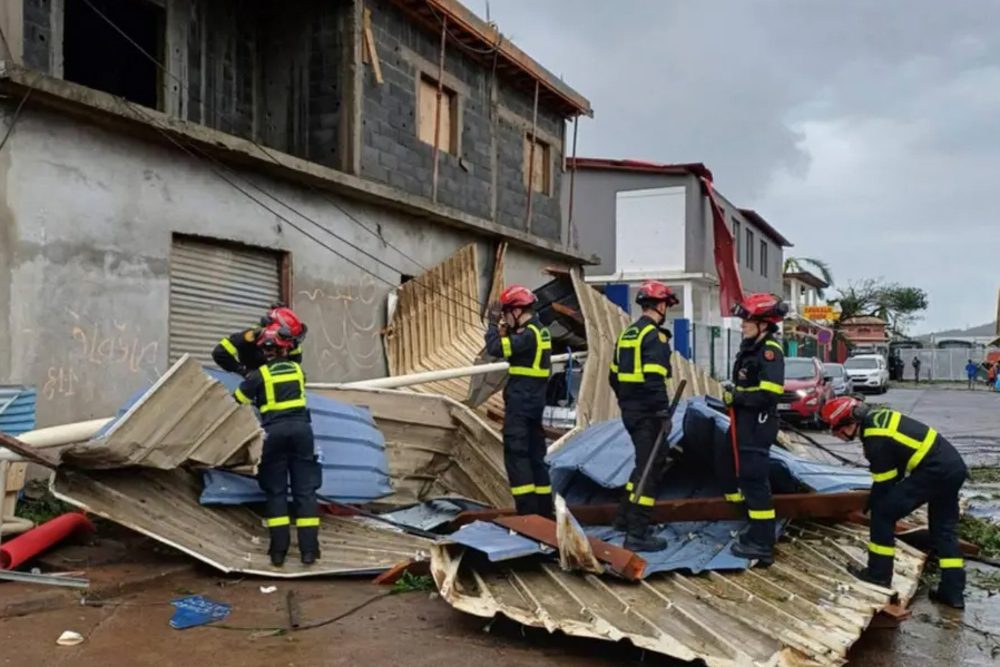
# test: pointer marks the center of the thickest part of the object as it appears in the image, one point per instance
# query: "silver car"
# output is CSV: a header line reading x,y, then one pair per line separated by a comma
x,y
839,380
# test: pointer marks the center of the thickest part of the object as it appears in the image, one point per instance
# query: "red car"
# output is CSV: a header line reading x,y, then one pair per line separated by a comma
x,y
806,390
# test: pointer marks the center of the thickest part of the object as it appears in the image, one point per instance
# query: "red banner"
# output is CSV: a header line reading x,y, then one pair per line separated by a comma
x,y
730,285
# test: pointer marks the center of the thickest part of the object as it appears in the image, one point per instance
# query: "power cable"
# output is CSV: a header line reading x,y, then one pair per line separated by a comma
x,y
325,196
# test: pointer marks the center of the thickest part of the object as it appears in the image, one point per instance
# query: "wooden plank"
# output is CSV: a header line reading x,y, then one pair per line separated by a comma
x,y
25,450
786,506
372,52
621,561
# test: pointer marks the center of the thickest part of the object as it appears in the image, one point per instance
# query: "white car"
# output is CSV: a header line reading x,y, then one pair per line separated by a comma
x,y
868,371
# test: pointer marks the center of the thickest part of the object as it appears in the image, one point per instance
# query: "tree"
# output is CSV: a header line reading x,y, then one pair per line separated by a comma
x,y
795,265
900,306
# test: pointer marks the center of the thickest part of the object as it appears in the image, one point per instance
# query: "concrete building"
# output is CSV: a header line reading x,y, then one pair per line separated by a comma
x,y
646,220
172,167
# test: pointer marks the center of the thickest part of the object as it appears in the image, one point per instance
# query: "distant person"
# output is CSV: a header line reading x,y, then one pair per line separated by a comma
x,y
971,369
916,369
991,375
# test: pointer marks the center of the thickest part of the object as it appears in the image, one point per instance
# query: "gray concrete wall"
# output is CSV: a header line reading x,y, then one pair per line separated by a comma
x,y
86,224
753,280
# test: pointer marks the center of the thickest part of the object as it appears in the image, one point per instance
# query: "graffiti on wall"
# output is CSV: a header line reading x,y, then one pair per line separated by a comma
x,y
344,329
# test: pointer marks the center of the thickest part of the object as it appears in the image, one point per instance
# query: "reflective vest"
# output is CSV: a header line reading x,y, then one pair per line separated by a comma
x,y
885,423
627,364
540,366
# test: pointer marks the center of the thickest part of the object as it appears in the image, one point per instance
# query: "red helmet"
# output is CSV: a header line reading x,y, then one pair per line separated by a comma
x,y
653,291
517,296
843,411
762,307
273,337
285,317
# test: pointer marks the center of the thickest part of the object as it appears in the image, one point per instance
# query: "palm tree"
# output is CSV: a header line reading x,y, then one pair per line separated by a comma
x,y
795,265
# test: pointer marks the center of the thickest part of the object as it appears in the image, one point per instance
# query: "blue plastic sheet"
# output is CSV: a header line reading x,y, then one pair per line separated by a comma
x,y
196,610
497,542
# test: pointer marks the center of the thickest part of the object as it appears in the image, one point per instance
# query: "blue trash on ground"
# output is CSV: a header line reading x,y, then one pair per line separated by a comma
x,y
196,610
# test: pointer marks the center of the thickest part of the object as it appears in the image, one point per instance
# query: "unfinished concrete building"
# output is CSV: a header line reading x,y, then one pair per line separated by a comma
x,y
172,167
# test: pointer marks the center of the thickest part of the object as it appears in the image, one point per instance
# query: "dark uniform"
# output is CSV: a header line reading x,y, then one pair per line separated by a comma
x,y
529,352
638,375
911,465
278,391
759,379
239,353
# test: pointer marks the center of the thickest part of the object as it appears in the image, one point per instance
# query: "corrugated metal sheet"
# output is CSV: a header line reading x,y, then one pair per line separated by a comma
x,y
185,417
804,610
437,324
163,504
217,288
496,542
17,409
431,514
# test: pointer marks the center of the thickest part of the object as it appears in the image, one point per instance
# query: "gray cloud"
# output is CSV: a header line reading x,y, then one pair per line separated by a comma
x,y
868,132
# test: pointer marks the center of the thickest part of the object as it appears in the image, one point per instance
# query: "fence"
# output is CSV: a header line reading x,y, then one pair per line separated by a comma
x,y
943,364
714,349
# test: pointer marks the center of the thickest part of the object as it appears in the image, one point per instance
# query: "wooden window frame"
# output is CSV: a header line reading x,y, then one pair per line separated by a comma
x,y
546,159
453,143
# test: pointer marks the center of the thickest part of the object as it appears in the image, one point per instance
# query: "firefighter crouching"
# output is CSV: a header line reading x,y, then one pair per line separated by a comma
x,y
526,345
758,383
911,464
638,375
277,389
239,352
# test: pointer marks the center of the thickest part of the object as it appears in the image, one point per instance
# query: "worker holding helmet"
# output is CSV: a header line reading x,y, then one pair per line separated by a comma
x,y
911,464
517,335
758,383
640,368
239,352
278,390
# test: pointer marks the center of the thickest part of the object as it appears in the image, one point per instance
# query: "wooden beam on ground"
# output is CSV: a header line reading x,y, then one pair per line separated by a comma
x,y
786,506
621,561
28,452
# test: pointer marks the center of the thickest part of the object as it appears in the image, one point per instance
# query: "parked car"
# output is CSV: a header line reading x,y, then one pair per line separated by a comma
x,y
868,371
840,382
806,389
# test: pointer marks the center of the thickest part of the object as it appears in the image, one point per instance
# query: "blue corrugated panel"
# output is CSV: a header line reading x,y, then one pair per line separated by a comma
x,y
432,514
593,466
17,409
496,542
350,448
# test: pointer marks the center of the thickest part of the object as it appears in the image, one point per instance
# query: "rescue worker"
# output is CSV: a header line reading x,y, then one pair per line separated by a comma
x,y
758,383
277,390
239,352
640,368
911,464
516,334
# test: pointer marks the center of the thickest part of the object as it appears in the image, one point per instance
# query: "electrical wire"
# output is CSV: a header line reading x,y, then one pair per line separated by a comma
x,y
325,196
483,52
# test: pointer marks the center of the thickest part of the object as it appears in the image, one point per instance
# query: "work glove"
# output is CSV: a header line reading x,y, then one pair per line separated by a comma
x,y
493,313
727,394
243,371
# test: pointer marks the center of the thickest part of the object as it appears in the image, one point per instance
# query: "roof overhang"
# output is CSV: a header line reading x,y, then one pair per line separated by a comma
x,y
640,166
482,41
765,227
808,278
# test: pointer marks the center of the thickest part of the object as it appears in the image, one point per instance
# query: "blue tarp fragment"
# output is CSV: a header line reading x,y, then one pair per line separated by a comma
x,y
432,514
497,542
196,610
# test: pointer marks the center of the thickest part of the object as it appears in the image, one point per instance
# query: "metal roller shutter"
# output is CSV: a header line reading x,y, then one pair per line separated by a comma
x,y
216,290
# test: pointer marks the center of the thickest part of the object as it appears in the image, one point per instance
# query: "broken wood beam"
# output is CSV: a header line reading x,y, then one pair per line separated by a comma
x,y
621,561
786,506
26,452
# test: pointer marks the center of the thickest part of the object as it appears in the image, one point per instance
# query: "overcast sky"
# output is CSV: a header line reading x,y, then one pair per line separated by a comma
x,y
866,131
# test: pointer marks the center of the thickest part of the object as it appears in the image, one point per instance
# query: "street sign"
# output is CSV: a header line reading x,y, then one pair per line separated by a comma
x,y
826,313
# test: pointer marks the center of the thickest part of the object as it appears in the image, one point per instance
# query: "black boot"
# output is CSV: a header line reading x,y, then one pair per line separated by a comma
x,y
278,558
762,553
639,536
544,506
308,544
951,590
280,540
864,574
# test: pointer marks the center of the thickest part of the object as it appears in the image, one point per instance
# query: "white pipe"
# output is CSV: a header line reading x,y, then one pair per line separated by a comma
x,y
56,436
396,381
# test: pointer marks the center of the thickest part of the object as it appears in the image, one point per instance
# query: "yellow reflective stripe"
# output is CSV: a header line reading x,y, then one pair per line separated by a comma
x,y
646,501
774,343
614,368
925,447
308,522
543,489
524,489
891,431
880,550
277,521
505,346
629,486
228,346
735,497
542,343
529,372
270,380
761,515
627,342
884,476
240,396
946,563
772,387
656,369
297,350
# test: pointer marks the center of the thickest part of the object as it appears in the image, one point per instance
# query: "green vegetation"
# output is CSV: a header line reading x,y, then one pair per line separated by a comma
x,y
984,534
985,475
413,583
43,506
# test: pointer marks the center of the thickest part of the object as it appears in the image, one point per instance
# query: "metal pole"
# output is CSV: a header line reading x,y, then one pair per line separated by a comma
x,y
437,110
531,161
572,186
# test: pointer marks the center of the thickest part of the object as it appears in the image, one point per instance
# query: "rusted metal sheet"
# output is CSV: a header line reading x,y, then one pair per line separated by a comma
x,y
437,324
620,561
787,506
163,504
804,610
186,417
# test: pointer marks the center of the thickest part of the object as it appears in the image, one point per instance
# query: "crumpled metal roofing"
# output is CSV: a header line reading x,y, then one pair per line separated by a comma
x,y
803,610
17,409
496,542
